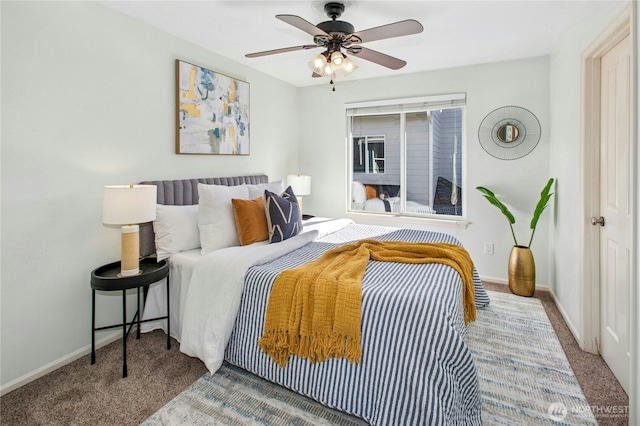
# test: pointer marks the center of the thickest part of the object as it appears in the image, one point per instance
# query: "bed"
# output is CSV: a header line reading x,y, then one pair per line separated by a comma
x,y
368,198
415,366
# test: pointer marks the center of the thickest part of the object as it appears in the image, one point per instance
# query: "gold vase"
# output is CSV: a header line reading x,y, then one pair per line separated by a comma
x,y
522,271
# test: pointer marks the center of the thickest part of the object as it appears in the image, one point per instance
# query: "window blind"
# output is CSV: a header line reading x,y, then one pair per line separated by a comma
x,y
406,105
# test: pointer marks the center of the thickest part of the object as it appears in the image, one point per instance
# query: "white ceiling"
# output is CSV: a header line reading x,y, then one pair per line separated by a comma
x,y
456,33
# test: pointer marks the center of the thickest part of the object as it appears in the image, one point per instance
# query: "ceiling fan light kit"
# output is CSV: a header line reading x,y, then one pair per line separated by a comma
x,y
335,35
337,63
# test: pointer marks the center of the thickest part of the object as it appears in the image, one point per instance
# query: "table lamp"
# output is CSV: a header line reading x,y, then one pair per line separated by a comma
x,y
129,205
301,185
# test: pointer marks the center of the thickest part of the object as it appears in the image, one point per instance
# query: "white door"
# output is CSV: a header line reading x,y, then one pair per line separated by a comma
x,y
616,209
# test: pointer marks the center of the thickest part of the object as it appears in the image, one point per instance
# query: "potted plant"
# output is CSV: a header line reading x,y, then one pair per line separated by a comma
x,y
522,269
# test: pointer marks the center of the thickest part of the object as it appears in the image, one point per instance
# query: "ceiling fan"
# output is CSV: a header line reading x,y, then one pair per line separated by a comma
x,y
335,35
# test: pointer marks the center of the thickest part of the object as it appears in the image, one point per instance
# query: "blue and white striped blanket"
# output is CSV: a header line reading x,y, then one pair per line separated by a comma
x,y
415,368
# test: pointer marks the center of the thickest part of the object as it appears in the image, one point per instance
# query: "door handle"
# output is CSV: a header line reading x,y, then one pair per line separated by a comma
x,y
597,221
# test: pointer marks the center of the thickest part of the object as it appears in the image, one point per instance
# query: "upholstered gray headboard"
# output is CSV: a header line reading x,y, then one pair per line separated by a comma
x,y
185,193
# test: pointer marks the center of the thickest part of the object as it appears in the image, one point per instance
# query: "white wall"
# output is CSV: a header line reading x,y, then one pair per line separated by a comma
x,y
634,395
88,99
523,83
565,161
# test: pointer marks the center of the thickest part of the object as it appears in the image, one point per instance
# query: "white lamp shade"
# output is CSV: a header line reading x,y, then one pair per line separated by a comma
x,y
300,184
129,204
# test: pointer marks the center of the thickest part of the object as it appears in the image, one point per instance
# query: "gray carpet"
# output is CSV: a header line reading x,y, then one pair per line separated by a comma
x,y
83,394
524,376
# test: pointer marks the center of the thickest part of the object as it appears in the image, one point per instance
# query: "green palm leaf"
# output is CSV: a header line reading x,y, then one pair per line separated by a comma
x,y
489,195
545,196
493,200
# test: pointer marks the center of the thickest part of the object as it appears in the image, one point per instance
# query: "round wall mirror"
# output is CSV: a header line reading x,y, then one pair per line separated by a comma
x,y
508,133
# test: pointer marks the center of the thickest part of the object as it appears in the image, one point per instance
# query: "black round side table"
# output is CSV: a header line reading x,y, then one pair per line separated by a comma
x,y
105,278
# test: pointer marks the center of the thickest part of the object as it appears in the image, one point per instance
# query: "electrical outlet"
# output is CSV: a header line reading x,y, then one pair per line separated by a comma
x,y
488,248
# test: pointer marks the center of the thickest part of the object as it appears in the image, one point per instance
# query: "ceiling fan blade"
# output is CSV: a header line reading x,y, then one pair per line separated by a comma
x,y
302,24
283,50
397,29
377,57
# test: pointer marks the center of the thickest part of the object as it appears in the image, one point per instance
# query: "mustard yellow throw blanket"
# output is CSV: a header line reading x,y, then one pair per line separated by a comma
x,y
314,310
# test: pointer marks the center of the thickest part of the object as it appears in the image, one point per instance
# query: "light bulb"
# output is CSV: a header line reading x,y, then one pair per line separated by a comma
x,y
328,70
319,61
348,66
336,58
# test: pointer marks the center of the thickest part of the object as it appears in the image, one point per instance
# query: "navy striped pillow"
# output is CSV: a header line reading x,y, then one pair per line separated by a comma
x,y
283,215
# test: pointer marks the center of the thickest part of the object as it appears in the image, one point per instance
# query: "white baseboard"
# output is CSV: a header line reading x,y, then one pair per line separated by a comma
x,y
506,282
495,280
567,321
46,369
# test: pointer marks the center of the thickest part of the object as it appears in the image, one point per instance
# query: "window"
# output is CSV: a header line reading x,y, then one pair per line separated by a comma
x,y
368,154
407,156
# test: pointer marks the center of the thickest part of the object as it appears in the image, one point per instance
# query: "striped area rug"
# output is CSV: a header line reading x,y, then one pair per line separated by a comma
x,y
524,375
234,397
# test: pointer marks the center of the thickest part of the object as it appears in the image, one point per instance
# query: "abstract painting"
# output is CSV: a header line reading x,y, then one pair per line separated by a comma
x,y
212,112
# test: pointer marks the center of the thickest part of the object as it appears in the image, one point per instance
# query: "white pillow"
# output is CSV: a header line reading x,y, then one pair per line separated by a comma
x,y
176,229
215,216
358,192
257,190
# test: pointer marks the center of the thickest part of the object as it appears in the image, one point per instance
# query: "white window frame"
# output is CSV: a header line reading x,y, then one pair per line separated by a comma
x,y
400,106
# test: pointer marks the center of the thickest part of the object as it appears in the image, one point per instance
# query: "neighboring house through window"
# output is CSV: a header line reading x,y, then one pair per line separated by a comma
x,y
406,156
368,154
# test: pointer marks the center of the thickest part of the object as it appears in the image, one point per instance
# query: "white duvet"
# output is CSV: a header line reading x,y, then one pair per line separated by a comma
x,y
376,204
213,293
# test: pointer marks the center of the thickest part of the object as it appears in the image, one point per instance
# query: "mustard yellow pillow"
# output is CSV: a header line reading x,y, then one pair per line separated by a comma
x,y
251,220
371,192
